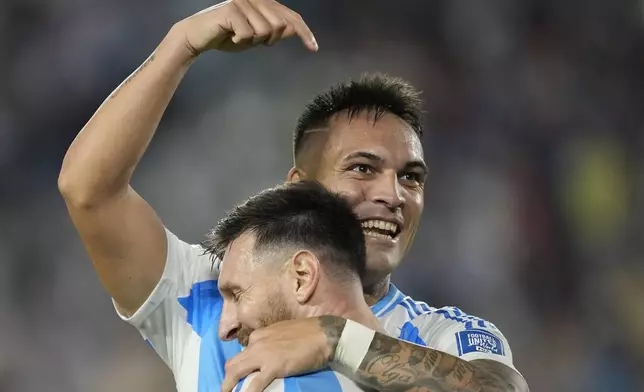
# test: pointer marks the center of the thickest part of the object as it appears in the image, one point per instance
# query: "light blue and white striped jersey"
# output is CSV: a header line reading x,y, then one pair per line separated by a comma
x,y
180,321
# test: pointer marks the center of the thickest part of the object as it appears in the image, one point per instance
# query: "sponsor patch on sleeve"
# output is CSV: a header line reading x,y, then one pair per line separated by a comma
x,y
478,341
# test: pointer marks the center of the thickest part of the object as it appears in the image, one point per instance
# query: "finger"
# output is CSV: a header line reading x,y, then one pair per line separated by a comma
x,y
261,381
237,368
302,30
242,31
275,19
261,27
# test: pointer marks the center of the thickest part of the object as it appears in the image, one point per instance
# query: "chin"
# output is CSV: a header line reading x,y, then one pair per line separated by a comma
x,y
379,266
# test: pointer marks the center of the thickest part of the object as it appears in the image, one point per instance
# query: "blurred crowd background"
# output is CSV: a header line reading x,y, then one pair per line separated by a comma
x,y
534,134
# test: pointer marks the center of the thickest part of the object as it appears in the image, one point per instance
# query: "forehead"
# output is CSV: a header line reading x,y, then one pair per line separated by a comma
x,y
390,137
236,263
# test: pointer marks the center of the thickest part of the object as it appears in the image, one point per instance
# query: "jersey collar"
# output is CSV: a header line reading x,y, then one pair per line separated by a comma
x,y
388,302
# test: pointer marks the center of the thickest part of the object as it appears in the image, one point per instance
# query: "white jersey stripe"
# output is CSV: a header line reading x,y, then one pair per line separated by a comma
x,y
406,306
412,307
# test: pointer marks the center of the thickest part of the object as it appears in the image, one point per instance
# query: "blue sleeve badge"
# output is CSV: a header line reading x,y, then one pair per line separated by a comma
x,y
478,341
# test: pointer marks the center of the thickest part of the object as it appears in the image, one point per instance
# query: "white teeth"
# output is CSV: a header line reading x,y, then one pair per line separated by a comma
x,y
377,235
392,228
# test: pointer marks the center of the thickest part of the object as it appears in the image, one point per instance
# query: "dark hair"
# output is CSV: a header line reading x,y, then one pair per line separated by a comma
x,y
301,214
376,93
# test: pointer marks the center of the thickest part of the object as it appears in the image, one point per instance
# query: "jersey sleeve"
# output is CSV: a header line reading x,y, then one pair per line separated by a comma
x,y
166,320
451,331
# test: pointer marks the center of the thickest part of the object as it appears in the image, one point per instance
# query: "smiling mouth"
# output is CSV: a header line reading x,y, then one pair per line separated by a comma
x,y
380,229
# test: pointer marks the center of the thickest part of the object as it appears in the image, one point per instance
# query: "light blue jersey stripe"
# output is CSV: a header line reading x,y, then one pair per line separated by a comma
x,y
323,381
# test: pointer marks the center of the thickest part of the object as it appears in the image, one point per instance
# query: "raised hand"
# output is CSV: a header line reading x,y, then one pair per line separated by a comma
x,y
237,25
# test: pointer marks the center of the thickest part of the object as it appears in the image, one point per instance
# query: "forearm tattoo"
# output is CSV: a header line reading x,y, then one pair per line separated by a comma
x,y
392,365
131,77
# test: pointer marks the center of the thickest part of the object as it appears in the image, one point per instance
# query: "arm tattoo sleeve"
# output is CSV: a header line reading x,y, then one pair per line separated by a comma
x,y
393,365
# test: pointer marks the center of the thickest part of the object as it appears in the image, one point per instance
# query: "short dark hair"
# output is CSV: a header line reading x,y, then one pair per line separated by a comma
x,y
373,92
302,214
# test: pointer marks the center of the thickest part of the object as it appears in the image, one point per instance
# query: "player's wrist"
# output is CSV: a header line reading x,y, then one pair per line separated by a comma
x,y
175,49
352,346
332,326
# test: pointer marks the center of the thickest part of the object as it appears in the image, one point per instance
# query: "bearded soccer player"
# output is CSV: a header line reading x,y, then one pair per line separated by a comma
x,y
293,251
360,139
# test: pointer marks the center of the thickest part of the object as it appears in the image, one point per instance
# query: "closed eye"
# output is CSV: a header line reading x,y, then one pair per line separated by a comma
x,y
235,296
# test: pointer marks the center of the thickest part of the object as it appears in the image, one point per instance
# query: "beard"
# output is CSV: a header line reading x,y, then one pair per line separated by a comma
x,y
275,311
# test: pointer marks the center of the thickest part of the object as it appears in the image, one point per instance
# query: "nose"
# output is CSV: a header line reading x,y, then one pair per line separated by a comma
x,y
228,323
387,191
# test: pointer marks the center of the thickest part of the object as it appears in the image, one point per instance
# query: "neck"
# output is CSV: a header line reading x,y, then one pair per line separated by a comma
x,y
346,302
374,292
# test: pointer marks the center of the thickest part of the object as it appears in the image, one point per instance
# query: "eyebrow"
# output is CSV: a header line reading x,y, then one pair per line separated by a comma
x,y
411,165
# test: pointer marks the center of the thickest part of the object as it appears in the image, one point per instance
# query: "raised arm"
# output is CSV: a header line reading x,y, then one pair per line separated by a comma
x,y
122,234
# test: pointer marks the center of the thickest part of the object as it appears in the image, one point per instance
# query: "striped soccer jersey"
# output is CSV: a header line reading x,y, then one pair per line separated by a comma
x,y
180,321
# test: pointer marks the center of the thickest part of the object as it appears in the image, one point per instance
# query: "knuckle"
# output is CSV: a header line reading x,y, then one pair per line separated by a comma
x,y
280,25
180,25
232,8
297,17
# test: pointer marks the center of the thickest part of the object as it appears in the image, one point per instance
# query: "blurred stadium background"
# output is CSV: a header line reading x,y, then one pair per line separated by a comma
x,y
534,208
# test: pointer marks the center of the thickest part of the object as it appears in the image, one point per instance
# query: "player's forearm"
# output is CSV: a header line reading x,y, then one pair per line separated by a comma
x,y
102,158
398,366
394,365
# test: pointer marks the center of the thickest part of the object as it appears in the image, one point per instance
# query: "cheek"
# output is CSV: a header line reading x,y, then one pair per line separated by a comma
x,y
248,311
415,207
419,204
351,190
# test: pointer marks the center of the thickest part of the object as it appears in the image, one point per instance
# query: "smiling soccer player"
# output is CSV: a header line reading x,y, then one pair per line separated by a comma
x,y
360,139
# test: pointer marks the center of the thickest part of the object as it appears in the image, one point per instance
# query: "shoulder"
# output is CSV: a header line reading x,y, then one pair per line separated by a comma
x,y
470,337
419,313
450,323
453,317
448,329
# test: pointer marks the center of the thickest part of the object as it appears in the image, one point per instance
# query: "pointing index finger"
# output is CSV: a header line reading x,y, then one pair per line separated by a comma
x,y
303,31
